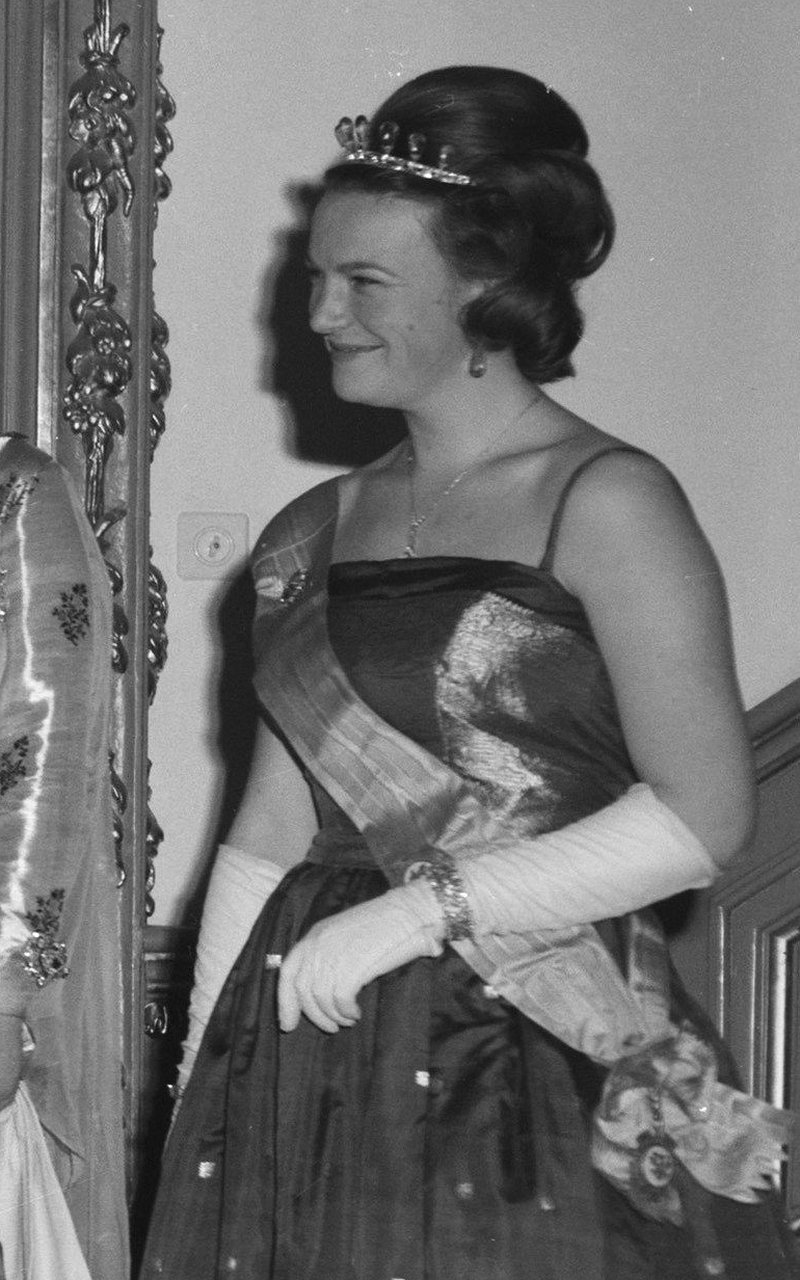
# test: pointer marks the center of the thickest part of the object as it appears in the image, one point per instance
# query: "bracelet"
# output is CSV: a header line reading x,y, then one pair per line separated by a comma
x,y
450,893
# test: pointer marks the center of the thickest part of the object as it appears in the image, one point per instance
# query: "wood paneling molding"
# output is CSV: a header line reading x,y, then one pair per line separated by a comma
x,y
775,731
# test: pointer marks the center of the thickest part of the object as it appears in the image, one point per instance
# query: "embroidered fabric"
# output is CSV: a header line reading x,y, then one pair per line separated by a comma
x,y
59,943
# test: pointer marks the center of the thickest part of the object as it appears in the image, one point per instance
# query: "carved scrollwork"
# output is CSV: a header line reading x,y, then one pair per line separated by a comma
x,y
119,654
157,640
119,803
99,102
160,380
156,1018
160,384
98,358
165,111
153,838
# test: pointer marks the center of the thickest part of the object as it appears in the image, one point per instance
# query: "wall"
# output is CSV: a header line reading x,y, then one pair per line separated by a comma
x,y
690,347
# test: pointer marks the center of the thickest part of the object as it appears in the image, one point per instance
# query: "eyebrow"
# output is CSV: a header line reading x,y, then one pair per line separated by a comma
x,y
356,264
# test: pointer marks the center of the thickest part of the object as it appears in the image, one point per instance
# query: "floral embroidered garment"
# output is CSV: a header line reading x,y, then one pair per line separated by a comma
x,y
59,936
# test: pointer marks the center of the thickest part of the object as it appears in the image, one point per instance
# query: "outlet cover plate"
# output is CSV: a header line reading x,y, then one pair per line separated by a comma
x,y
211,544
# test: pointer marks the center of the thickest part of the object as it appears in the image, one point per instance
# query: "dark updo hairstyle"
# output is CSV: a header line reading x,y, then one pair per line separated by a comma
x,y
536,220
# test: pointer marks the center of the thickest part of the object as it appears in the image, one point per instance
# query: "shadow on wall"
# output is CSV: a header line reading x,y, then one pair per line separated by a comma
x,y
237,714
319,426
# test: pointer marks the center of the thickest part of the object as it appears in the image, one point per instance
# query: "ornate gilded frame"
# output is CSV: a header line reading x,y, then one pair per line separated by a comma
x,y
83,367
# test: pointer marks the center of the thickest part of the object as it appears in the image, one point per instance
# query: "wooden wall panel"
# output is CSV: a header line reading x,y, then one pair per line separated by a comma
x,y
738,951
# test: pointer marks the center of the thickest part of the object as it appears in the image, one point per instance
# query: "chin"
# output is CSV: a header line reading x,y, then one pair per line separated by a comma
x,y
348,389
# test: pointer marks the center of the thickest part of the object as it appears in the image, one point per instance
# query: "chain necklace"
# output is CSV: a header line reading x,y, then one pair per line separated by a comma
x,y
419,518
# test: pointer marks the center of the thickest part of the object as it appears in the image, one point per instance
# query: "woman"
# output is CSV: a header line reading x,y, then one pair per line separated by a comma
x,y
498,670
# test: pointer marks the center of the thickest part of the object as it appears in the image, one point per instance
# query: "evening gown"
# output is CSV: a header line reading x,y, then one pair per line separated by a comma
x,y
445,1136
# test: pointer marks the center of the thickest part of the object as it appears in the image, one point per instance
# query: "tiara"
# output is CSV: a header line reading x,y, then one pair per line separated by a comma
x,y
352,138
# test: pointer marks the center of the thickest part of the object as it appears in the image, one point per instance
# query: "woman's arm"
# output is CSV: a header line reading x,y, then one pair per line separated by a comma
x,y
630,548
276,818
272,830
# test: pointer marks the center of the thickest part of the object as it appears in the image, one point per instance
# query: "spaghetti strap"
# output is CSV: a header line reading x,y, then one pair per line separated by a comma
x,y
555,524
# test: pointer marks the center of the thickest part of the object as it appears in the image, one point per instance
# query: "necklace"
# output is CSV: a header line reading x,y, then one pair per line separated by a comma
x,y
419,518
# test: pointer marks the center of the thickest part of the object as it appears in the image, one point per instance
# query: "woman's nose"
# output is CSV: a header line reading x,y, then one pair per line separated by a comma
x,y
327,306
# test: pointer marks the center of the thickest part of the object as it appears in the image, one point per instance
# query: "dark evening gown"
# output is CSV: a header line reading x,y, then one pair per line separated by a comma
x,y
446,1136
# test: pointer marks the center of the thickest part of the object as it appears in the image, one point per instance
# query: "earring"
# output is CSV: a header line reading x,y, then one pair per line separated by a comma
x,y
477,363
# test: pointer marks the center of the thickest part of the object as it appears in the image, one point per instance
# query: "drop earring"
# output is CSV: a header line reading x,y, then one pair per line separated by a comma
x,y
477,363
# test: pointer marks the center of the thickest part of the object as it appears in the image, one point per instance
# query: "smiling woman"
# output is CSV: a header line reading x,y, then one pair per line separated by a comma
x,y
500,722
386,302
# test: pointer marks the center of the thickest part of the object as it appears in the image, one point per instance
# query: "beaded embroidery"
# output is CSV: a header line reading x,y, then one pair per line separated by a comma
x,y
73,612
12,764
45,958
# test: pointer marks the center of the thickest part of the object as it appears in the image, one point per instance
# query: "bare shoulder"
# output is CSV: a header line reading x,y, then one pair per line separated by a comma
x,y
626,513
618,479
623,489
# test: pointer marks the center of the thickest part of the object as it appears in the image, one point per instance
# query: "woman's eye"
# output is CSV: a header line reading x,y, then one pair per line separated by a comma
x,y
362,282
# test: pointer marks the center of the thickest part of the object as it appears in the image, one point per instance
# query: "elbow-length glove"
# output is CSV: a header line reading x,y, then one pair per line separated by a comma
x,y
240,884
631,853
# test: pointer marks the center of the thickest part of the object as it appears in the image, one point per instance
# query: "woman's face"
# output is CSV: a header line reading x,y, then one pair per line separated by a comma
x,y
386,302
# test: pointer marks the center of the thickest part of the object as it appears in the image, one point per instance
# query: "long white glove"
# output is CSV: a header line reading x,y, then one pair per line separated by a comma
x,y
631,853
239,886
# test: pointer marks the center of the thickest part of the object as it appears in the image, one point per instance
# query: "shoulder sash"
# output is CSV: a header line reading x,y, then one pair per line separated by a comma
x,y
406,802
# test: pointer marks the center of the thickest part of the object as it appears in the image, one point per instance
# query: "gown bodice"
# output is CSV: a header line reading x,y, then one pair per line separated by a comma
x,y
493,668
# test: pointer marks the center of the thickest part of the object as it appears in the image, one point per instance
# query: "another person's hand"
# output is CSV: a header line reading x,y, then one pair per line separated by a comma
x,y
11,1057
323,974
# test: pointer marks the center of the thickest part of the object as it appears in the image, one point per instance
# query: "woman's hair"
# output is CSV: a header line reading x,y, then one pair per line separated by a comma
x,y
534,220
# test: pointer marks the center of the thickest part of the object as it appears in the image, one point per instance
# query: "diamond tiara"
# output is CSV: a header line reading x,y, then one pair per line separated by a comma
x,y
352,138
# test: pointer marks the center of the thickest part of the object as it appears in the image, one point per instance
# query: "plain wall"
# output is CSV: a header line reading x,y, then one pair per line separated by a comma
x,y
690,348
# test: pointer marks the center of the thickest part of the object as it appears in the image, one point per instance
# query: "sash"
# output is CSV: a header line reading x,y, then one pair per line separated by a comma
x,y
410,807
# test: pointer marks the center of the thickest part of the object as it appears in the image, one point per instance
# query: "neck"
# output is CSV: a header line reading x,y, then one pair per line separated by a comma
x,y
483,425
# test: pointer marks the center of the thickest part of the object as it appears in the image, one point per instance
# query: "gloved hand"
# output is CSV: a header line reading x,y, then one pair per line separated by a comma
x,y
323,974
